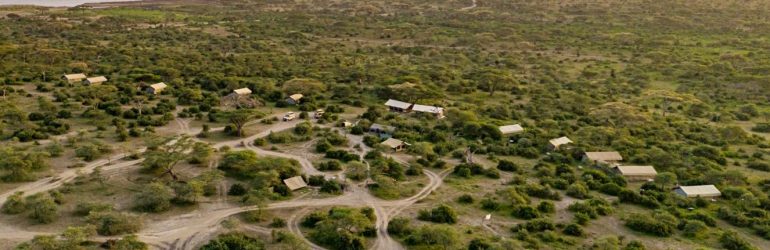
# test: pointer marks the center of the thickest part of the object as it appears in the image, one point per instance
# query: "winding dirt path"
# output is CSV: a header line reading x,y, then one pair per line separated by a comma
x,y
293,224
190,230
473,5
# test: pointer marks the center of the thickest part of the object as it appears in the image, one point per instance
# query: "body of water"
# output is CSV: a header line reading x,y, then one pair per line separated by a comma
x,y
55,3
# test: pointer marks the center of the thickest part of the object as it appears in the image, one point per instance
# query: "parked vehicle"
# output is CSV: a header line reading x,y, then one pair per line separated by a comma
x,y
289,116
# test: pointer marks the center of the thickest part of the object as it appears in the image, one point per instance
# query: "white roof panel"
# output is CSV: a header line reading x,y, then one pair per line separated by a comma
x,y
510,129
427,109
397,104
295,183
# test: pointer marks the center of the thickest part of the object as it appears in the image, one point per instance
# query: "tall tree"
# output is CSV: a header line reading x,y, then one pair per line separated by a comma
x,y
665,179
240,117
492,80
164,157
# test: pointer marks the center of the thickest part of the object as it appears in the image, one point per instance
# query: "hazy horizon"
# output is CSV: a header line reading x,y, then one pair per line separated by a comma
x,y
55,3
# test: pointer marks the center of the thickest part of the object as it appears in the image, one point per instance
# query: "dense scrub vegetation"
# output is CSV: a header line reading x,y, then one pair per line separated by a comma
x,y
681,85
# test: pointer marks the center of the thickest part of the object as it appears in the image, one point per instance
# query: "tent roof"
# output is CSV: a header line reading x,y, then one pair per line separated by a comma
x,y
560,141
702,190
604,156
392,143
636,170
397,104
78,76
159,85
96,79
242,91
295,183
510,129
427,109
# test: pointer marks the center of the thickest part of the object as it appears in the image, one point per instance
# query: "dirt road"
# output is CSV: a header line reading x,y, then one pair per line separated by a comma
x,y
190,230
473,5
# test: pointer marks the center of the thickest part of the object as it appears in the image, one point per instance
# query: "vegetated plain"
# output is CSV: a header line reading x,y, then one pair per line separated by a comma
x,y
682,86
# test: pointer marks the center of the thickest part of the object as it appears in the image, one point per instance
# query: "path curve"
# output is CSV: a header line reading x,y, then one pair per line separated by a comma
x,y
187,231
473,5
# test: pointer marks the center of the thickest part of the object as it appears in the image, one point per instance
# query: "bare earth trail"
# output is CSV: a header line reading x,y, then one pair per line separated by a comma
x,y
108,168
473,5
190,230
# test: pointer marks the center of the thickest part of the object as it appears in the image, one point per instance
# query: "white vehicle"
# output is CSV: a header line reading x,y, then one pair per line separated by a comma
x,y
289,116
319,113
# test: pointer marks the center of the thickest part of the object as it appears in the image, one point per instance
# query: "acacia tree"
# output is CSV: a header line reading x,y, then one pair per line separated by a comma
x,y
665,179
492,80
20,165
138,103
413,92
238,118
303,85
164,157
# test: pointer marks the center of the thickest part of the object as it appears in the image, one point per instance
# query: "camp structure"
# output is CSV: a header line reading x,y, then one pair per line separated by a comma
x,y
555,144
242,91
382,130
94,80
636,173
511,129
398,106
602,157
72,78
705,191
240,98
294,99
295,183
156,88
437,111
394,144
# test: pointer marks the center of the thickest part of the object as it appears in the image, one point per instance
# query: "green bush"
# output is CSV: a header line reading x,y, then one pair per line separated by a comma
x,y
465,199
15,204
573,230
236,189
399,226
703,217
610,189
578,190
312,219
344,228
154,197
278,222
43,208
731,241
645,224
234,241
693,228
490,204
342,155
762,166
332,187
735,218
332,165
440,214
434,235
506,165
113,223
86,208
546,207
525,212
542,192
761,128
536,225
